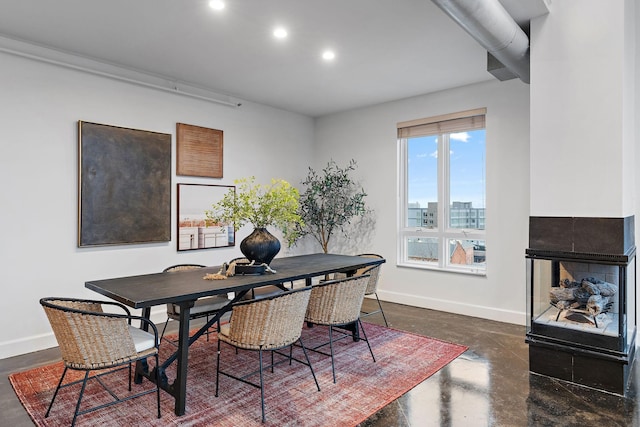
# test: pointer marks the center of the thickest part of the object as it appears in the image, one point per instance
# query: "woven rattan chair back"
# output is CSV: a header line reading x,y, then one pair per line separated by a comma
x,y
269,323
204,307
180,267
91,339
337,302
373,272
372,285
261,291
374,275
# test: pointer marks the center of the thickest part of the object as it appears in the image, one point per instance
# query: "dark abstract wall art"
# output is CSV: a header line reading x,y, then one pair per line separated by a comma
x,y
124,185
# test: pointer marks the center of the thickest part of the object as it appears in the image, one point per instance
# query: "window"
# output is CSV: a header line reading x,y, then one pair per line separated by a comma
x,y
442,192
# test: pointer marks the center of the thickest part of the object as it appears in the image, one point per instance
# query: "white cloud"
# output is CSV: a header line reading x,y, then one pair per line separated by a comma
x,y
434,154
460,136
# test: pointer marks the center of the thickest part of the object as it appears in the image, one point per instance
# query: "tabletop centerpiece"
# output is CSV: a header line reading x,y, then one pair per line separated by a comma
x,y
261,205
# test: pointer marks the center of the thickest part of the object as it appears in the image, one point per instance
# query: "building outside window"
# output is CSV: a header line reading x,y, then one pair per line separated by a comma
x,y
442,192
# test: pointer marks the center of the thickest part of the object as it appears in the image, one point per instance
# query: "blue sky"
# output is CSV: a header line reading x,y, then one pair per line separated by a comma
x,y
467,170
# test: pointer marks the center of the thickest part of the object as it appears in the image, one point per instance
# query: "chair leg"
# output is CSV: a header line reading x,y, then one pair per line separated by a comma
x,y
97,378
84,384
264,419
164,329
158,384
291,354
366,339
381,310
333,368
308,361
55,393
218,369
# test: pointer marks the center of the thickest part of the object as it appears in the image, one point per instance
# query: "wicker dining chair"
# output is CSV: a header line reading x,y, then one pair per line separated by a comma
x,y
267,324
260,291
372,286
90,340
337,303
203,307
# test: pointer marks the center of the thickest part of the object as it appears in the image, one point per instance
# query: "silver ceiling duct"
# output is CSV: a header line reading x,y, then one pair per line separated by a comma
x,y
491,25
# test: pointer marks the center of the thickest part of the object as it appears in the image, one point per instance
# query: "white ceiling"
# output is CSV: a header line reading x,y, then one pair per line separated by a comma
x,y
386,49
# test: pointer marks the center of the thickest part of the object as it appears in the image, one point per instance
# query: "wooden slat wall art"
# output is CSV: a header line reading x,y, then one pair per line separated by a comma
x,y
199,151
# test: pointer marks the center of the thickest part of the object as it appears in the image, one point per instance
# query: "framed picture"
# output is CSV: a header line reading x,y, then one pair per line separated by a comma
x,y
198,151
124,185
193,230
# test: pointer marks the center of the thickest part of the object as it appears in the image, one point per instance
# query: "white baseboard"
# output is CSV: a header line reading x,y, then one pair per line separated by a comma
x,y
27,345
490,313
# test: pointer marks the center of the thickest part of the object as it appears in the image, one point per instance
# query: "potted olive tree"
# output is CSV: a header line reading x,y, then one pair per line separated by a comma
x,y
330,201
261,205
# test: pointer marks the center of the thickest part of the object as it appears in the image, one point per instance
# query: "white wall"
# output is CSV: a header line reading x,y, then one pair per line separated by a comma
x,y
40,107
369,136
582,89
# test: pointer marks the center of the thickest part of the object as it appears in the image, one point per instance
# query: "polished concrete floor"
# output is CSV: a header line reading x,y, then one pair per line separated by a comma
x,y
489,385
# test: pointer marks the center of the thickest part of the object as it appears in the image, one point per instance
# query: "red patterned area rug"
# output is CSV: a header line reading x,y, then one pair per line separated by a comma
x,y
403,360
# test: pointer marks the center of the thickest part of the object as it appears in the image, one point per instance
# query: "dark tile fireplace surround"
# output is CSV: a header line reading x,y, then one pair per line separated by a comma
x,y
581,292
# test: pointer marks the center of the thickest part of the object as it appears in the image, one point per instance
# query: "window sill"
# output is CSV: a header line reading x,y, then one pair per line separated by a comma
x,y
467,271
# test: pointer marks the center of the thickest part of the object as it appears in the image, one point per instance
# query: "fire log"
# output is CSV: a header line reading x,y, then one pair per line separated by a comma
x,y
598,287
598,304
561,294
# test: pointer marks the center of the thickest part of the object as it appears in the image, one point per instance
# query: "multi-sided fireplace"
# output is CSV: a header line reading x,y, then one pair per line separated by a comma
x,y
581,291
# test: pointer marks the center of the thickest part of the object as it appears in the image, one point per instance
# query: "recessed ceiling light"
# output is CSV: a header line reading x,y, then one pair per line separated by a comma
x,y
328,55
280,33
216,4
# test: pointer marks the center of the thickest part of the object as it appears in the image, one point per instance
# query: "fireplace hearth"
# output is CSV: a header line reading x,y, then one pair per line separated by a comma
x,y
581,285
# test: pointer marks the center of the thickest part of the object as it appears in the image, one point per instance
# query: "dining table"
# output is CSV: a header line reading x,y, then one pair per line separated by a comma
x,y
185,287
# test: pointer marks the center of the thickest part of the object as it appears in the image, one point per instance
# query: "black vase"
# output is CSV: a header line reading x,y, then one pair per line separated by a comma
x,y
260,246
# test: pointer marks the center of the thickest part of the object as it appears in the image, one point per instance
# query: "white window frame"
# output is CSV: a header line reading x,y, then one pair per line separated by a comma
x,y
443,233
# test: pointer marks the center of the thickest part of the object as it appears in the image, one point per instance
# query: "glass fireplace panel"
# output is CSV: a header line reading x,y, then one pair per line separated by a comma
x,y
630,317
582,303
575,299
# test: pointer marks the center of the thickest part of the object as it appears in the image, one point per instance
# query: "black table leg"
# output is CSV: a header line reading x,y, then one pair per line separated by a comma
x,y
180,384
142,368
146,313
353,327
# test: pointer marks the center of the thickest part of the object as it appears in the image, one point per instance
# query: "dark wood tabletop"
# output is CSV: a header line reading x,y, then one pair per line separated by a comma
x,y
174,287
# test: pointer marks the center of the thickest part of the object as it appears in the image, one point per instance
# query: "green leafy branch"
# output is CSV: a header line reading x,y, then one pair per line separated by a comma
x,y
274,204
329,203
